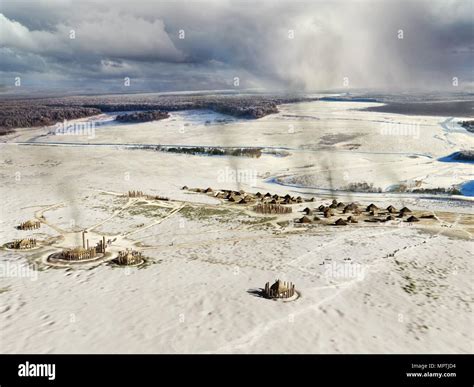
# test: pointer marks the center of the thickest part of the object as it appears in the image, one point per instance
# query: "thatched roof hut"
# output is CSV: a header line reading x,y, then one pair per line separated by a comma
x,y
352,219
328,212
340,222
267,195
279,289
208,190
321,207
413,219
405,209
305,219
334,201
258,195
308,211
333,205
391,209
351,207
371,207
340,205
390,217
287,196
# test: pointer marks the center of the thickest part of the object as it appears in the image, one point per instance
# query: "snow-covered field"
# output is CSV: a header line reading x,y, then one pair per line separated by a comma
x,y
381,288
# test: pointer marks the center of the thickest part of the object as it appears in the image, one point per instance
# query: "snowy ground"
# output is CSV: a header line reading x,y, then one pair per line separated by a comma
x,y
379,288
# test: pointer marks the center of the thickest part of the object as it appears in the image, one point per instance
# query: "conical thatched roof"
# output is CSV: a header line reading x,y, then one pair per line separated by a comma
x,y
405,209
328,212
308,211
334,201
340,205
413,219
279,287
268,195
340,222
258,195
321,207
391,209
208,190
351,207
352,219
287,196
371,207
305,219
333,205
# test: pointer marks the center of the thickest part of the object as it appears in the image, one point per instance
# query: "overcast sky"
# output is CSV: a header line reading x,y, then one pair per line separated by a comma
x,y
82,46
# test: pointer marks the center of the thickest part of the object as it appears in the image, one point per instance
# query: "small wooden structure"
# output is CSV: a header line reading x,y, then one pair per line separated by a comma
x,y
129,257
29,225
279,289
267,208
80,253
22,244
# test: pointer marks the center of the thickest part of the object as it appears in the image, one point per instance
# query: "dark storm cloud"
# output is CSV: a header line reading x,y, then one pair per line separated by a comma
x,y
280,44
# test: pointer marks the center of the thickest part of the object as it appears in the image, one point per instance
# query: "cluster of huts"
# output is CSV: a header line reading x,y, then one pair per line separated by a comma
x,y
29,225
344,213
22,244
129,257
371,212
242,197
279,289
